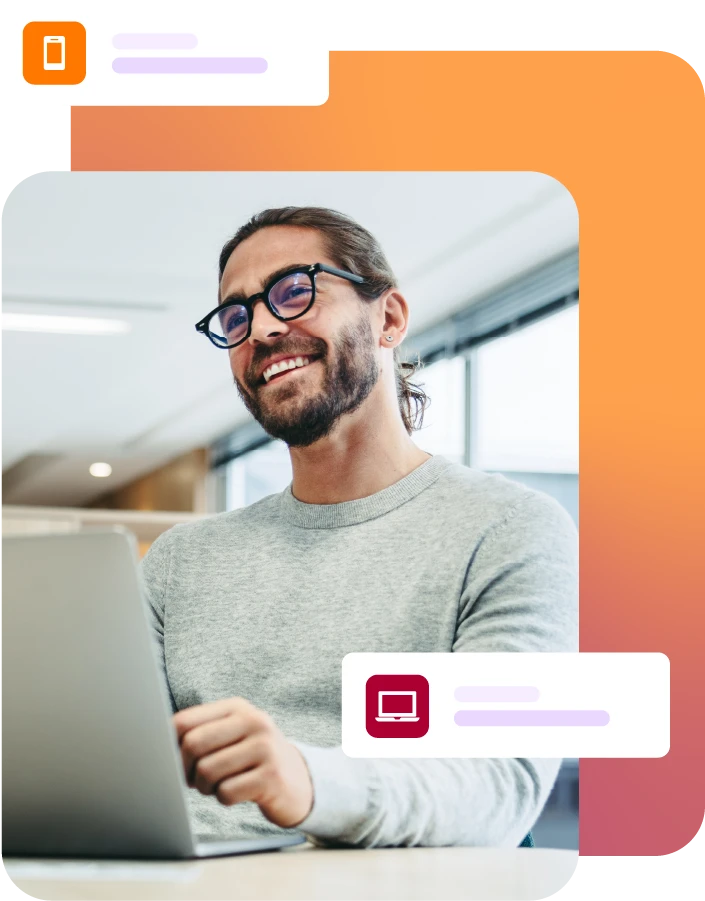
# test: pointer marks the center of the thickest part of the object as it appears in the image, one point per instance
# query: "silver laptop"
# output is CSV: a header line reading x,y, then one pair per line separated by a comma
x,y
90,759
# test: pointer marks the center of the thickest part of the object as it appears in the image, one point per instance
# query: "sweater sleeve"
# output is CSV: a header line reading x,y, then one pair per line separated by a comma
x,y
520,594
154,570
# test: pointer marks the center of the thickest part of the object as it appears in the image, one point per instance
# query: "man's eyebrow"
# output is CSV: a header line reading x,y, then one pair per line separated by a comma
x,y
241,298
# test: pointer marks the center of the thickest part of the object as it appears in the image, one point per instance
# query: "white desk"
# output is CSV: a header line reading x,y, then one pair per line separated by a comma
x,y
306,872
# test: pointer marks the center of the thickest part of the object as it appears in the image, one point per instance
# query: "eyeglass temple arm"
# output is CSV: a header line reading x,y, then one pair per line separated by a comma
x,y
340,272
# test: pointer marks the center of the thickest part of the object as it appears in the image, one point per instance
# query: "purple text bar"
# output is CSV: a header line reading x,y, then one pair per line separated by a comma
x,y
155,41
515,693
532,718
184,65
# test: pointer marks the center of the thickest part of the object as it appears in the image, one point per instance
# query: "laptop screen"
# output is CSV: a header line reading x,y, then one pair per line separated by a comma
x,y
393,704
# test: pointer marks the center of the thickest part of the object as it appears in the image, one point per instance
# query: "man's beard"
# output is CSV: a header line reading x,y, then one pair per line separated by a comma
x,y
346,384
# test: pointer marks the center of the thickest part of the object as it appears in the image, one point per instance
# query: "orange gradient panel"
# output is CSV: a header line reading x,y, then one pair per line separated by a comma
x,y
625,134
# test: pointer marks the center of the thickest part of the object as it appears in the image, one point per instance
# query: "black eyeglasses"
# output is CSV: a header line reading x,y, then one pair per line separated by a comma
x,y
287,296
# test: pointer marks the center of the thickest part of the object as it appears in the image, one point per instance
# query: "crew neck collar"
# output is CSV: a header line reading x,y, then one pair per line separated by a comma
x,y
351,513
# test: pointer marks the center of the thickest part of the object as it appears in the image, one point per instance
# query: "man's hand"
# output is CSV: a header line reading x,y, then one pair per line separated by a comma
x,y
234,751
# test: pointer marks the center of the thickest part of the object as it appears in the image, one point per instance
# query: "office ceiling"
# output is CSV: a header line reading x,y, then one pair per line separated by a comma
x,y
143,247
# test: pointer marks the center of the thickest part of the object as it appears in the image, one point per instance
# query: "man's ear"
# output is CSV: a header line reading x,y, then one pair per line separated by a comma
x,y
396,318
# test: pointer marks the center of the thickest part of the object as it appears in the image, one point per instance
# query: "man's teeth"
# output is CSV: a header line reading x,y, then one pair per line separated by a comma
x,y
291,363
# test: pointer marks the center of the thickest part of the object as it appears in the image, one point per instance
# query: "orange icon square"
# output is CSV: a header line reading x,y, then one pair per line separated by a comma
x,y
54,53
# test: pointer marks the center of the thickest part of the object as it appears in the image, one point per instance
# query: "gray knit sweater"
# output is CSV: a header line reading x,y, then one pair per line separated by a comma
x,y
265,601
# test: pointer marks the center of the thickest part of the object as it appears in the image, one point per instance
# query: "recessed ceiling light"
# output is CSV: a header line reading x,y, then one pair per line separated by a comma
x,y
100,470
66,325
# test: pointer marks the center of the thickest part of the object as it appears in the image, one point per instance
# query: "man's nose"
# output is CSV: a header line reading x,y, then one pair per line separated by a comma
x,y
265,326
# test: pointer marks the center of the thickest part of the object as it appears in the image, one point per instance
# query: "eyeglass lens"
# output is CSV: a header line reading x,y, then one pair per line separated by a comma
x,y
289,297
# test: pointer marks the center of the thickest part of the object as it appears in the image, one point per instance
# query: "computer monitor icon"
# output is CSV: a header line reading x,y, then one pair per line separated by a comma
x,y
397,706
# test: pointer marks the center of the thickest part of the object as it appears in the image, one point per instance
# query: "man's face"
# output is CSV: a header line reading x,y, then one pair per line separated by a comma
x,y
300,405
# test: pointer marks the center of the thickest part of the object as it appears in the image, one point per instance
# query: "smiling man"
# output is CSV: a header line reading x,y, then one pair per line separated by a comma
x,y
375,546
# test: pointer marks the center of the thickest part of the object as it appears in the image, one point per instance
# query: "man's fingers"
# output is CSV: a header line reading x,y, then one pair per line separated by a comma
x,y
201,741
247,786
226,763
190,717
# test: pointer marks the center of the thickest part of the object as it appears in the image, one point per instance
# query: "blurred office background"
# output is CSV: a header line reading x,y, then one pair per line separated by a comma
x,y
105,274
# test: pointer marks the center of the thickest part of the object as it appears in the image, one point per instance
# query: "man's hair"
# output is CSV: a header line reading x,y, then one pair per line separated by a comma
x,y
354,249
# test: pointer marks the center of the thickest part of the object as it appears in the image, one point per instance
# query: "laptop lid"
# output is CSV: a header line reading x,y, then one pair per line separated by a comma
x,y
91,765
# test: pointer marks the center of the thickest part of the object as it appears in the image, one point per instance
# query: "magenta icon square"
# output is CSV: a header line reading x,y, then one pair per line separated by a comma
x,y
396,706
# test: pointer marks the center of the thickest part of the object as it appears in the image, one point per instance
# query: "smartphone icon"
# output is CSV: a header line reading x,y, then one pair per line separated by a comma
x,y
54,52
